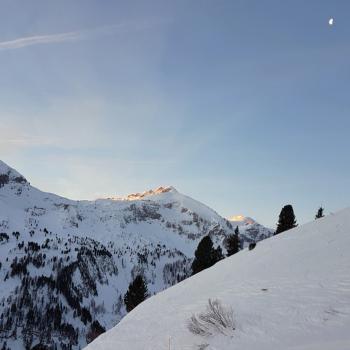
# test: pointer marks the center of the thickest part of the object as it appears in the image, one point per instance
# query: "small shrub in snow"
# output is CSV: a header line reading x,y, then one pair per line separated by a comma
x,y
252,246
216,319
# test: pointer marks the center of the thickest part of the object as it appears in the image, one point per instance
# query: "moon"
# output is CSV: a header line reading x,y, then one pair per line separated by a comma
x,y
331,21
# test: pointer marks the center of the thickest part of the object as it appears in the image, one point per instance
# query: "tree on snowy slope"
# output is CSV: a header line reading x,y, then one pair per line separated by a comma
x,y
286,219
319,214
233,243
205,255
95,330
136,293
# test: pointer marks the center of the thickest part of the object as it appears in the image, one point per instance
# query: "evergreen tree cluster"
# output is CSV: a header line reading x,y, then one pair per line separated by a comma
x,y
34,312
233,244
287,221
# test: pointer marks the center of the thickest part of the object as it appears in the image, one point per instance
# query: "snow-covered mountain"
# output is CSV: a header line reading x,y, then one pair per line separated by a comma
x,y
291,292
252,230
65,265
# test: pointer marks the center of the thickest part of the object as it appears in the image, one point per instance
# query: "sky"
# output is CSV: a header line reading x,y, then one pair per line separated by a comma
x,y
241,104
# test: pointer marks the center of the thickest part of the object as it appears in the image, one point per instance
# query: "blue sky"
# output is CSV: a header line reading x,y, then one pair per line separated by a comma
x,y
243,105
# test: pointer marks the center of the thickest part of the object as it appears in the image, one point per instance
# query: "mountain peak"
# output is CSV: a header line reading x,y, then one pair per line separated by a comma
x,y
8,175
151,192
241,220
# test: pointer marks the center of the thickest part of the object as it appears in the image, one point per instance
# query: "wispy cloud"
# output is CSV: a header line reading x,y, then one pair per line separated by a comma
x,y
40,39
69,36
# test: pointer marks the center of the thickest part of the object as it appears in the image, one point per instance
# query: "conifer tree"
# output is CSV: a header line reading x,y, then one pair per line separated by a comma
x,y
319,214
233,243
136,293
95,330
217,255
286,219
205,255
237,230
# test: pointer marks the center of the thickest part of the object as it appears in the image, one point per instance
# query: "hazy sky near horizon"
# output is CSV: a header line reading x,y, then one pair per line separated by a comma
x,y
241,104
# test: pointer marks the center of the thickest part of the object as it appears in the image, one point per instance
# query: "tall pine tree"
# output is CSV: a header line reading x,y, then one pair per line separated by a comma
x,y
286,219
319,213
136,293
233,243
205,255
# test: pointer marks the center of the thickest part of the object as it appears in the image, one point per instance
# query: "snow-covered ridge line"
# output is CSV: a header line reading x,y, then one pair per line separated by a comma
x,y
158,190
8,174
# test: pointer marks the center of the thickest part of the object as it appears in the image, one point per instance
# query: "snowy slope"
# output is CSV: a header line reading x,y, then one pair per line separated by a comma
x,y
291,292
75,259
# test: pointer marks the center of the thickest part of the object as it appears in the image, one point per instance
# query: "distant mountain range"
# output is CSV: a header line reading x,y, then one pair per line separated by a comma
x,y
65,265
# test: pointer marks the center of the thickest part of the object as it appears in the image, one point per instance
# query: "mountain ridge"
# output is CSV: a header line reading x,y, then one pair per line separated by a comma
x,y
78,257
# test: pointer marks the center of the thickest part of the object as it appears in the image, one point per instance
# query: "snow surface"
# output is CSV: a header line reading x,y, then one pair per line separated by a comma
x,y
291,292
